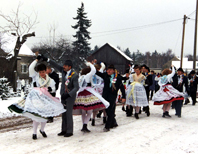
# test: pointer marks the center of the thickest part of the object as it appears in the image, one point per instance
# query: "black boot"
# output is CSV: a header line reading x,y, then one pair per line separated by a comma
x,y
123,109
34,136
104,120
167,114
93,122
129,111
136,116
147,111
99,114
84,129
43,133
163,115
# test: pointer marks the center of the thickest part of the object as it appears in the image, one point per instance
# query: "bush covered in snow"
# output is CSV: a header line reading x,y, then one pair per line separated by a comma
x,y
4,88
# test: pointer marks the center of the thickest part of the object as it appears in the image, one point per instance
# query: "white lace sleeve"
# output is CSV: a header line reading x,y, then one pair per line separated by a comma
x,y
102,67
32,72
169,77
52,85
88,76
131,78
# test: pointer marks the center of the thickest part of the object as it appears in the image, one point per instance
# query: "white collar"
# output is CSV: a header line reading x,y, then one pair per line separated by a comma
x,y
68,72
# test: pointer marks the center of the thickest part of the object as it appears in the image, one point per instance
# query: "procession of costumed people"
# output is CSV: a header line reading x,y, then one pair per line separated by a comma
x,y
96,89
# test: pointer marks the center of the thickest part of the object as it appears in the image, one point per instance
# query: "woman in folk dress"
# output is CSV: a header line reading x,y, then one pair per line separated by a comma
x,y
39,103
136,94
167,93
87,98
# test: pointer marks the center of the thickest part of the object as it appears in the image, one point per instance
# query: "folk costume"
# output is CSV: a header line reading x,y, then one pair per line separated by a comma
x,y
98,85
112,83
136,94
87,98
39,103
167,93
69,88
179,81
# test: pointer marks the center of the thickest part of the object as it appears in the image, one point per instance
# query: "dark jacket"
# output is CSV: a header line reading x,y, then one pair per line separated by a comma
x,y
73,85
107,90
193,85
55,77
179,87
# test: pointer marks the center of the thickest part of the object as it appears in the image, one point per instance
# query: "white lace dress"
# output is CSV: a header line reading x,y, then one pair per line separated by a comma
x,y
39,103
167,93
136,94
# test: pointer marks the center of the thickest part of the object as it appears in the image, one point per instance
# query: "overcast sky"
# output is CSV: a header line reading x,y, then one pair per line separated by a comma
x,y
108,16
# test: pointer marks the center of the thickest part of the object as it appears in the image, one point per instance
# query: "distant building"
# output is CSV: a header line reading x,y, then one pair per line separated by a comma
x,y
111,55
187,65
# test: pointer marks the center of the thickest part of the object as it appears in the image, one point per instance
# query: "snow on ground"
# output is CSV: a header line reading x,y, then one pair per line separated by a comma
x,y
4,112
148,135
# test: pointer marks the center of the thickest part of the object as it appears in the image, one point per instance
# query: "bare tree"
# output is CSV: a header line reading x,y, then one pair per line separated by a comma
x,y
18,25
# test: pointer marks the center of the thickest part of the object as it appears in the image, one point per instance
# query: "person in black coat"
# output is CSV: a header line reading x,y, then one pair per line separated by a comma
x,y
178,81
193,86
148,83
52,74
112,83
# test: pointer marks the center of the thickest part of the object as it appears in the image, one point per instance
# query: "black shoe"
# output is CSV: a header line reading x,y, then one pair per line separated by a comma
x,y
167,114
68,134
114,125
136,116
43,133
99,114
104,120
163,115
61,133
148,113
179,116
85,129
123,109
34,136
140,111
93,122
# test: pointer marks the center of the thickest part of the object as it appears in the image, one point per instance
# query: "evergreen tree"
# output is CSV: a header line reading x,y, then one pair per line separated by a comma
x,y
127,52
4,90
81,45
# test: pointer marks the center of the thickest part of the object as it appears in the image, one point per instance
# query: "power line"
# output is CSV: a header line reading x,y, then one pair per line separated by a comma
x,y
191,13
134,28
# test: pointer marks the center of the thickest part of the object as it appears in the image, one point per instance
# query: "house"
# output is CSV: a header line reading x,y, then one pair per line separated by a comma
x,y
111,55
186,65
169,63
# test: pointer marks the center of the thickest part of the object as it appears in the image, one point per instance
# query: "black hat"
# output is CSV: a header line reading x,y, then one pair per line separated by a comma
x,y
111,67
144,66
192,72
180,69
68,62
127,70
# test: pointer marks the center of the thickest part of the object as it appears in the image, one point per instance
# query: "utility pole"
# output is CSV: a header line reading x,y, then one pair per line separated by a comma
x,y
182,46
195,38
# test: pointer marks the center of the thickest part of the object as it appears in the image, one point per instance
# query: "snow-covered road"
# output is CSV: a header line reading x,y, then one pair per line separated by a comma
x,y
148,135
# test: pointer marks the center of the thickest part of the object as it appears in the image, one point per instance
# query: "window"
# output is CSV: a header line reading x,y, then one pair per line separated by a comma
x,y
24,68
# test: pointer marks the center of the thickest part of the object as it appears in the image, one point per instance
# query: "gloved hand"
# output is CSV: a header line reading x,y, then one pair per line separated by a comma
x,y
64,96
42,57
39,57
49,89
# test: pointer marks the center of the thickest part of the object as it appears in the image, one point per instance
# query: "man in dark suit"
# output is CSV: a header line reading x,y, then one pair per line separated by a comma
x,y
69,88
178,81
148,83
193,86
52,74
111,86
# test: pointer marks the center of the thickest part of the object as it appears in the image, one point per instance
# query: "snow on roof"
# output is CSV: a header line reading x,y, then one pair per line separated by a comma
x,y
9,42
122,53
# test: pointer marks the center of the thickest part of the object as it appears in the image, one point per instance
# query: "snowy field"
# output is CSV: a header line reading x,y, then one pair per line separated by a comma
x,y
148,135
